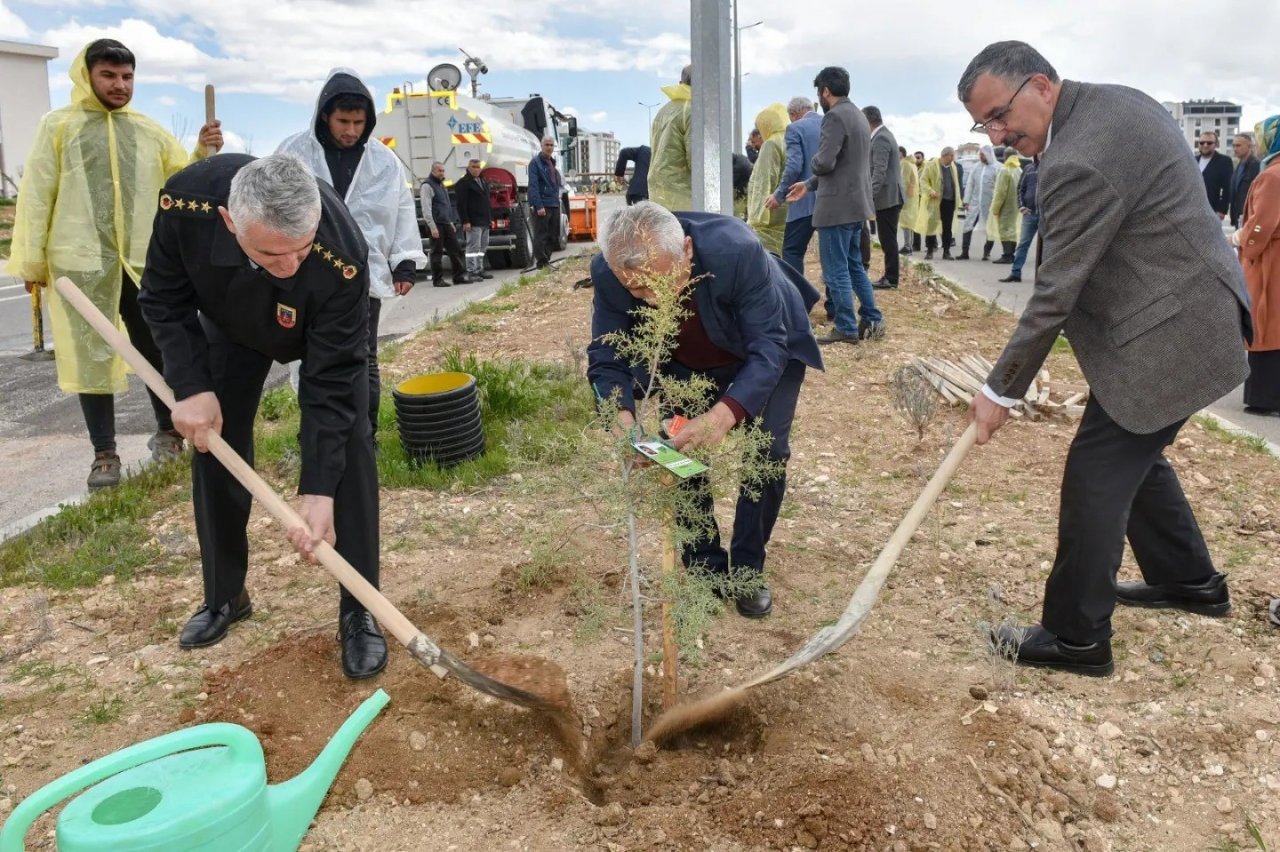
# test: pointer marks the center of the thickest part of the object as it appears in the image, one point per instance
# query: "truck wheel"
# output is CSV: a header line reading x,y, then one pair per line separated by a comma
x,y
522,229
562,235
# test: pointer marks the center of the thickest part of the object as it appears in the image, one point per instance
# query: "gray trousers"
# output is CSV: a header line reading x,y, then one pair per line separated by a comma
x,y
477,245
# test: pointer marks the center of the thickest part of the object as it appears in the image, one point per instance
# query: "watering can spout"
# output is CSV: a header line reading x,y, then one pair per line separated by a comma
x,y
293,803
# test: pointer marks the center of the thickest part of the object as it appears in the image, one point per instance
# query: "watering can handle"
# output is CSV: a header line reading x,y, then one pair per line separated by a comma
x,y
243,744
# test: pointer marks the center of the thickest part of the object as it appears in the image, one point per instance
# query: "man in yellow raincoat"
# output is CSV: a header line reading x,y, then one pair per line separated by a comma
x,y
1005,217
85,209
670,164
769,224
911,191
939,191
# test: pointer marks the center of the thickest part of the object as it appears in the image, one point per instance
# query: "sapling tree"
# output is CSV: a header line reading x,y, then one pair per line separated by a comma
x,y
739,463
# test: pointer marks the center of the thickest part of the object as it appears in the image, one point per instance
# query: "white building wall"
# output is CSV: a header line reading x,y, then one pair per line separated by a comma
x,y
24,99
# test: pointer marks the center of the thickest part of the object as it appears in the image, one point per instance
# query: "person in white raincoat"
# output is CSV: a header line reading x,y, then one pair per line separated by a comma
x,y
341,150
85,209
980,185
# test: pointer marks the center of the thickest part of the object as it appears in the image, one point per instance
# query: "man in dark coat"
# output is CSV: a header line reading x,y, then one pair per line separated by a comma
x,y
254,261
1247,167
476,214
638,186
545,187
747,330
1216,169
441,217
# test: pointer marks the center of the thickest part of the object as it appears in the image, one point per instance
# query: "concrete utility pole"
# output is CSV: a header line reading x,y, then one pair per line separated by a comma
x,y
712,144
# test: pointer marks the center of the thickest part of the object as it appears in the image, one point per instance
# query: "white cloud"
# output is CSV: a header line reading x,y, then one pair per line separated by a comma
x,y
569,110
12,27
165,100
599,117
233,143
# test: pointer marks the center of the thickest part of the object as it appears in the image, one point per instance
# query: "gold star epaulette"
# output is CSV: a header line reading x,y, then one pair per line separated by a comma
x,y
196,206
341,266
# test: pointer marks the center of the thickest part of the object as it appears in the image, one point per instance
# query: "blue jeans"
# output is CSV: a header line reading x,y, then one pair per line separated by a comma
x,y
795,242
840,247
1030,223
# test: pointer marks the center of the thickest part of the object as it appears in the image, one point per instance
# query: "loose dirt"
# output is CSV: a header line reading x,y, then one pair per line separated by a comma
x,y
912,737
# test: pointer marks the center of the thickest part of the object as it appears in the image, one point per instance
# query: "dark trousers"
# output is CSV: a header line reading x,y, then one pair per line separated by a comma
x,y
888,232
754,519
864,245
1117,484
795,242
375,377
545,231
948,213
447,243
632,199
99,409
222,504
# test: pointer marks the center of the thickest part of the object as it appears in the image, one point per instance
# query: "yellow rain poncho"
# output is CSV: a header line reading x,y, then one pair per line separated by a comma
x,y
85,207
910,191
1004,220
670,168
769,225
929,216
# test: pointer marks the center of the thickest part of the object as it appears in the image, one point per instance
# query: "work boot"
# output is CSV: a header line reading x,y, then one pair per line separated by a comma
x,y
837,336
986,249
871,330
105,470
364,650
928,254
165,445
964,246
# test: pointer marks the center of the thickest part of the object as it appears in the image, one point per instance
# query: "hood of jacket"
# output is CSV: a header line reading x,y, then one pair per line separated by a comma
x,y
772,120
342,81
82,90
678,92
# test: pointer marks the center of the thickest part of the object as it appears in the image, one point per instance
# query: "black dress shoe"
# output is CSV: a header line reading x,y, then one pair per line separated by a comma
x,y
884,284
946,255
964,255
364,651
486,275
1035,646
837,336
756,604
1207,597
440,282
1261,412
928,254
1003,260
1011,279
209,626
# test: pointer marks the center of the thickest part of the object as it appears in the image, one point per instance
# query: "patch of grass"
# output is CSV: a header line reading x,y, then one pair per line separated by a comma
x,y
468,326
107,534
593,613
1061,346
491,307
1252,443
103,710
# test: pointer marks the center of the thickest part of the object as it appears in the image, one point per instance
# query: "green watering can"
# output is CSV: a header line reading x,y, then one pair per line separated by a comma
x,y
195,790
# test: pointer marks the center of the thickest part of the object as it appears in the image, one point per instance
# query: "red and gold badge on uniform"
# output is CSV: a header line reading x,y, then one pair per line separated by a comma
x,y
286,316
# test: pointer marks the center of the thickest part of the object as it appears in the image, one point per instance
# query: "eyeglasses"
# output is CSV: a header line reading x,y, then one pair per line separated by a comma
x,y
997,122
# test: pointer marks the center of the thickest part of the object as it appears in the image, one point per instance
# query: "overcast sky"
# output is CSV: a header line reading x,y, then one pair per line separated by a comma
x,y
602,60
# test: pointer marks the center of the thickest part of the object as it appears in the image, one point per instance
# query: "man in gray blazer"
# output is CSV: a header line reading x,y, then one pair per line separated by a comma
x,y
1134,268
886,194
842,178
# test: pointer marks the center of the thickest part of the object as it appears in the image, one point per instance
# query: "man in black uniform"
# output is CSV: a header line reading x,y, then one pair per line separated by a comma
x,y
253,261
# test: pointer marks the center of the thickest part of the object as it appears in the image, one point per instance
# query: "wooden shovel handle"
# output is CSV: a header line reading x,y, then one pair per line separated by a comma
x,y
210,113
373,600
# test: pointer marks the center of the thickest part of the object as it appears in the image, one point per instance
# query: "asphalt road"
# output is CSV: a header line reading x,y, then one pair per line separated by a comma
x,y
44,448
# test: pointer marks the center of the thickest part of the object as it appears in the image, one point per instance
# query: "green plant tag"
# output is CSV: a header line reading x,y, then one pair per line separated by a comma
x,y
672,459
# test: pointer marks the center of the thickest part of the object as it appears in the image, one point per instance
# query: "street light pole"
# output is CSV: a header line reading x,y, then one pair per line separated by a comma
x,y
737,74
650,108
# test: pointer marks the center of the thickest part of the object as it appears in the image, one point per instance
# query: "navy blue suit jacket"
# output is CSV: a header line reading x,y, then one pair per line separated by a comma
x,y
751,304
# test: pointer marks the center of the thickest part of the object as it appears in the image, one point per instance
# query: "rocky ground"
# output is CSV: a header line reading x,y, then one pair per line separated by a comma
x,y
912,737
